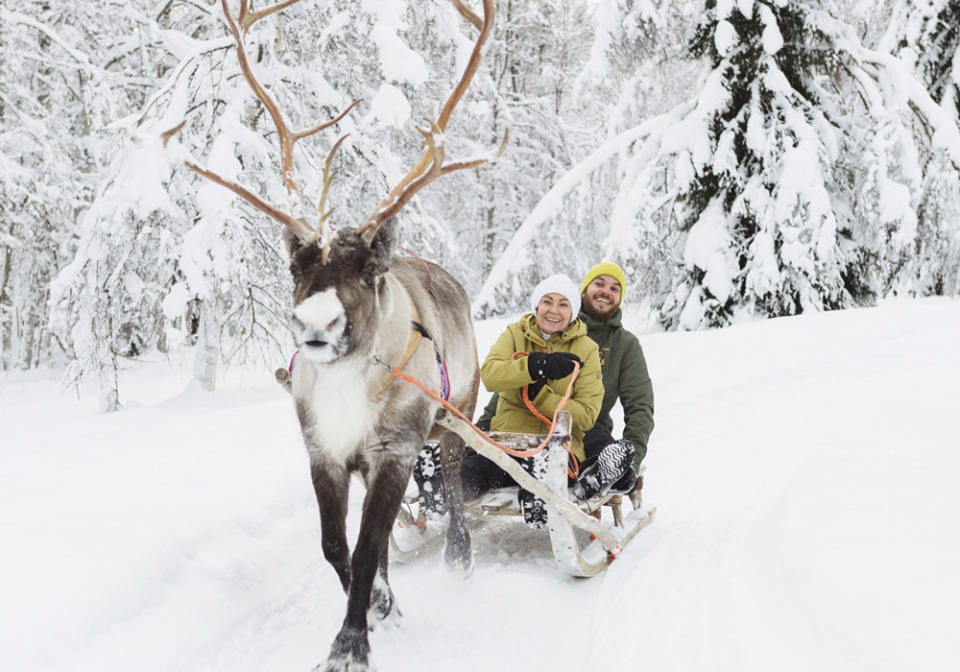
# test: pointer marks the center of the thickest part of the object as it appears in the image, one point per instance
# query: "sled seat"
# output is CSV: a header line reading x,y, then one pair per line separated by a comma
x,y
503,502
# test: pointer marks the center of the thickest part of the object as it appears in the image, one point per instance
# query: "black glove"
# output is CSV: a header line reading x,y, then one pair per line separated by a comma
x,y
533,389
552,366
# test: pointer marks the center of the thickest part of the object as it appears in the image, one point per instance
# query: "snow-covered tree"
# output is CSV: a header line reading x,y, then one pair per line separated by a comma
x,y
67,73
217,277
926,36
806,157
760,231
563,228
531,66
107,303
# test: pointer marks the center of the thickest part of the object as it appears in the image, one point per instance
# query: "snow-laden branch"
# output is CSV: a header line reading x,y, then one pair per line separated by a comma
x,y
197,48
10,17
905,92
517,255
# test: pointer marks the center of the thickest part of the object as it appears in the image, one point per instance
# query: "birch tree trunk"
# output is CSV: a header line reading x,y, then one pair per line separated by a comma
x,y
207,355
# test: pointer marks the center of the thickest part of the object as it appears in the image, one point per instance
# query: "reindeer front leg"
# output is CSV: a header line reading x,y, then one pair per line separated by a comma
x,y
391,463
331,483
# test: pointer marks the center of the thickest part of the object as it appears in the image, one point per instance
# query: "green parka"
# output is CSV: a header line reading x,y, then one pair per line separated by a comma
x,y
507,377
625,376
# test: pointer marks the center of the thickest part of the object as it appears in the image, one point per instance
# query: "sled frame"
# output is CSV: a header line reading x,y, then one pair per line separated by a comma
x,y
564,516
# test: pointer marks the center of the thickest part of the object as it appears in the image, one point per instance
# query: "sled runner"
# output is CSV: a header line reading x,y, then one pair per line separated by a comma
x,y
583,543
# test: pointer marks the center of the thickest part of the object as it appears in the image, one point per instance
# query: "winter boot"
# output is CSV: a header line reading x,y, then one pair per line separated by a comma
x,y
428,475
533,508
614,460
626,484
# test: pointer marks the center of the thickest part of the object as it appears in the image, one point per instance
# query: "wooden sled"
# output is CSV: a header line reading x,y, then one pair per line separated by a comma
x,y
583,543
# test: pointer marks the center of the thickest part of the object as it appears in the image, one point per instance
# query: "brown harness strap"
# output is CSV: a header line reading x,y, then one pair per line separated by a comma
x,y
416,335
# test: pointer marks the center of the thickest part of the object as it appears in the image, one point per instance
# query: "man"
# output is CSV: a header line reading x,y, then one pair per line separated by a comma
x,y
625,377
611,465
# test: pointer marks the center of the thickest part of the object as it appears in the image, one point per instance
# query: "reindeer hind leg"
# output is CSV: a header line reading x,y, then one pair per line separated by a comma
x,y
458,552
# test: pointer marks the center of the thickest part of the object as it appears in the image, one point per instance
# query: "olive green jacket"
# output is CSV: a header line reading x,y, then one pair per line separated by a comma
x,y
625,377
506,375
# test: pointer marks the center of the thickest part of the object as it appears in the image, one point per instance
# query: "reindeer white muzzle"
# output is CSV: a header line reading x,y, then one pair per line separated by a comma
x,y
319,325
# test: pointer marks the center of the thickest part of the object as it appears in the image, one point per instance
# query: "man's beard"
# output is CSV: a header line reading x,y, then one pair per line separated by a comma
x,y
592,310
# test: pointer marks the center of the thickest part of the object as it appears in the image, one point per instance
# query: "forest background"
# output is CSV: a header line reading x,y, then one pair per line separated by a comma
x,y
741,159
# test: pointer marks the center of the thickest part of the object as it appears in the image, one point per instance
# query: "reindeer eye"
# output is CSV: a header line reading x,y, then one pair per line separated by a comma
x,y
295,271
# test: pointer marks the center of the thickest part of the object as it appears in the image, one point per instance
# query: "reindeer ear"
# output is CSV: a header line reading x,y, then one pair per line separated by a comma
x,y
383,244
291,242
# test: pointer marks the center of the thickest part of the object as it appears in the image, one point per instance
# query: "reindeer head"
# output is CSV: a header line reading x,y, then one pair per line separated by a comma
x,y
337,293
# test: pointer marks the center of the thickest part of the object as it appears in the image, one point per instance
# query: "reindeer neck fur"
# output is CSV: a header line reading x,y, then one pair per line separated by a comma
x,y
339,402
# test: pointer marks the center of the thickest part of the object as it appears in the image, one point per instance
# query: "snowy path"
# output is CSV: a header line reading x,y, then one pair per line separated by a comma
x,y
804,470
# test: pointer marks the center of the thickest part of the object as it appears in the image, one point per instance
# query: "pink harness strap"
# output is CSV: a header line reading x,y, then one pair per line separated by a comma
x,y
426,268
444,379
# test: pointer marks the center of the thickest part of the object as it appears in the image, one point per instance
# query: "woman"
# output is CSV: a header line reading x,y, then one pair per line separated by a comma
x,y
555,338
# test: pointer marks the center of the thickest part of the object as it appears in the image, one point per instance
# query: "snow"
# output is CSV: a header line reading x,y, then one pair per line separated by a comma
x,y
724,7
708,247
398,61
804,470
772,38
390,106
725,37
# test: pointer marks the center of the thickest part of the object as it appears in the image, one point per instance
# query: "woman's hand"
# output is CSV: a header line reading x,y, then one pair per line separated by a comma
x,y
551,366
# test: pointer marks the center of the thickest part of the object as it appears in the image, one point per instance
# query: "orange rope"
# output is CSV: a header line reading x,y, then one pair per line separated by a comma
x,y
575,470
526,398
394,371
572,471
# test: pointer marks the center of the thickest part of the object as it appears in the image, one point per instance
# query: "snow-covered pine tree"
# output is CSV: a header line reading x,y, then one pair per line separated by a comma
x,y
759,235
927,36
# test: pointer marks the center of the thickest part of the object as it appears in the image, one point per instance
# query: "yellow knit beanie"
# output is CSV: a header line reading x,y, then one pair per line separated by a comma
x,y
606,268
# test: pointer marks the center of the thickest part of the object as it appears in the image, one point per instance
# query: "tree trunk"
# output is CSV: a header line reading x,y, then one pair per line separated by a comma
x,y
207,356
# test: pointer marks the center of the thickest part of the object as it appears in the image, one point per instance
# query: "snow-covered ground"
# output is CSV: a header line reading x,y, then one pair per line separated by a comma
x,y
804,469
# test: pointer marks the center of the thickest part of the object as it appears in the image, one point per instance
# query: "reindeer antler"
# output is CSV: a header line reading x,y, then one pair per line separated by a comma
x,y
294,220
430,166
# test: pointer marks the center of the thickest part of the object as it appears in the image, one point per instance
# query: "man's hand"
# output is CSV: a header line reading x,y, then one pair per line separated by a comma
x,y
552,366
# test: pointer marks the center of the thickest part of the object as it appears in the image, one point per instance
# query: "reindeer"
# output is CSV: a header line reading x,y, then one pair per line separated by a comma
x,y
357,306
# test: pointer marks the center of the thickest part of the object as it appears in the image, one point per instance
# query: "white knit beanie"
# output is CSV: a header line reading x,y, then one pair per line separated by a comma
x,y
557,284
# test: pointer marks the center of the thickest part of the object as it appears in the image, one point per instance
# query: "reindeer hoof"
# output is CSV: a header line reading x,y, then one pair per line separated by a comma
x,y
350,653
344,664
458,562
458,550
383,605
